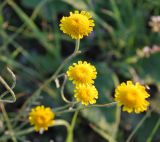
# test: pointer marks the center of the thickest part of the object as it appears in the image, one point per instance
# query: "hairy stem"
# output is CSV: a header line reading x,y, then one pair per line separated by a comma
x,y
11,132
85,107
70,132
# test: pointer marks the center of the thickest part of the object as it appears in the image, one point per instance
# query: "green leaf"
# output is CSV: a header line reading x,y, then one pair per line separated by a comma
x,y
50,7
31,3
149,69
143,133
106,79
77,4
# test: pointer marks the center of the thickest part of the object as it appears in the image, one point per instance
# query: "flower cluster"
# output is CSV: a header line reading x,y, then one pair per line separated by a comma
x,y
78,25
82,75
41,117
132,97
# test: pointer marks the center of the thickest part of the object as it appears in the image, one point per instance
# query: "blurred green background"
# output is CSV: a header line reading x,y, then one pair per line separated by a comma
x,y
33,46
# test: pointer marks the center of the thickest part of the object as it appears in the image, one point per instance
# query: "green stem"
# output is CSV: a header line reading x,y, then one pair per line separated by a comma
x,y
57,122
77,45
117,122
62,91
76,51
138,126
53,77
62,122
11,132
61,108
154,131
24,132
85,107
70,132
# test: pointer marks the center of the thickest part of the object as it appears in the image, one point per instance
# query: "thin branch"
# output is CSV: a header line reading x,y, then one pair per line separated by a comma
x,y
9,89
11,132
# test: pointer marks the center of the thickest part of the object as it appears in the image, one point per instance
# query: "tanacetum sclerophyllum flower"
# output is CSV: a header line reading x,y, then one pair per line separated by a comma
x,y
82,73
77,25
41,117
132,97
87,94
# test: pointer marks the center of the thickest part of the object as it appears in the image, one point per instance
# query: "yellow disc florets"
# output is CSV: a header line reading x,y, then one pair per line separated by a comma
x,y
82,73
77,25
41,118
132,97
87,94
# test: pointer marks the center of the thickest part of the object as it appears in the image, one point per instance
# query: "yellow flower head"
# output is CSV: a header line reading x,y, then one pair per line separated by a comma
x,y
87,94
77,25
82,72
132,97
41,117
